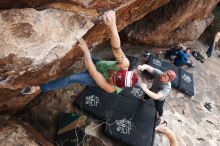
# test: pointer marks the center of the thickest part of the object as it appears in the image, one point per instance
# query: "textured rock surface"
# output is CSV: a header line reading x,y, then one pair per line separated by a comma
x,y
36,46
40,36
20,133
22,3
173,23
98,4
214,27
190,31
31,40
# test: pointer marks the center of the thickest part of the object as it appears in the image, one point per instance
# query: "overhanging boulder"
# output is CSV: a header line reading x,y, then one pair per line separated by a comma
x,y
37,46
177,21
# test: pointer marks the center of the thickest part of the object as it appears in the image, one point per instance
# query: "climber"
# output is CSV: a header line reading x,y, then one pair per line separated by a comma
x,y
160,88
111,76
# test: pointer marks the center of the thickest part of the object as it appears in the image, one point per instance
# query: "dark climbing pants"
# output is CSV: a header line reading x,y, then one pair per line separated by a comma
x,y
159,106
209,51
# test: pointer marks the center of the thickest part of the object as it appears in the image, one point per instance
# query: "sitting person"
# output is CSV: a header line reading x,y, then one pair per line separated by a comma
x,y
181,58
180,55
213,45
168,133
111,76
161,86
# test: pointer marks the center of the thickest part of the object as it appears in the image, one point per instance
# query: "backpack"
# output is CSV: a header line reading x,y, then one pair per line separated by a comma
x,y
198,56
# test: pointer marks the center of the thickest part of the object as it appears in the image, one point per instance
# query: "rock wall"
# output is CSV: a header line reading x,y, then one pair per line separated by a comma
x,y
173,23
20,133
36,46
214,27
32,45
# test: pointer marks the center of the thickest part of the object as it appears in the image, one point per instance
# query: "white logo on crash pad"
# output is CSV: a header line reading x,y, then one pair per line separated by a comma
x,y
186,78
123,126
137,92
92,100
157,62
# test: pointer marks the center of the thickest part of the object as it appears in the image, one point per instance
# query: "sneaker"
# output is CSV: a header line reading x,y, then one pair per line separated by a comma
x,y
164,123
158,121
208,106
147,54
29,90
193,66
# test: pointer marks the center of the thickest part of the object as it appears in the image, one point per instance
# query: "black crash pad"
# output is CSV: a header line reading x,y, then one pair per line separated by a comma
x,y
133,122
133,92
97,102
167,66
186,83
155,62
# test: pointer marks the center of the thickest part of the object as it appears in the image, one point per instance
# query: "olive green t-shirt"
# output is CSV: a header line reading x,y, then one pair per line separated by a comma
x,y
104,66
